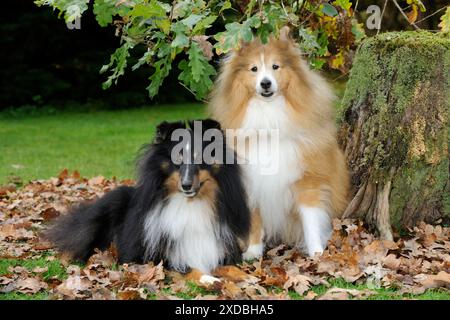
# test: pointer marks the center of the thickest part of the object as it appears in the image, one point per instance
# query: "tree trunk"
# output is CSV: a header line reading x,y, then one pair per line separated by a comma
x,y
395,130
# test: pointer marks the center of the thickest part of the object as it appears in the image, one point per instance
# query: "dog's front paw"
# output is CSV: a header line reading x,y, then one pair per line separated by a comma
x,y
208,280
254,251
313,251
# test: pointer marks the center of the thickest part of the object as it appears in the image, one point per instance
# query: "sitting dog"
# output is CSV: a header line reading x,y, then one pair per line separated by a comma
x,y
187,211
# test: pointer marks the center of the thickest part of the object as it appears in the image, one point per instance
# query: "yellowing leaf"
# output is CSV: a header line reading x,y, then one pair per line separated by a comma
x,y
445,21
344,4
417,3
412,15
164,25
338,60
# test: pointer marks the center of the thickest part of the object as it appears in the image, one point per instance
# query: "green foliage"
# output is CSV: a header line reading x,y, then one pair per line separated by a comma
x,y
105,10
118,62
329,10
196,73
72,9
326,30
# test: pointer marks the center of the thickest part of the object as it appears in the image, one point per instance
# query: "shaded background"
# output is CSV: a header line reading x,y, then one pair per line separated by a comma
x,y
45,63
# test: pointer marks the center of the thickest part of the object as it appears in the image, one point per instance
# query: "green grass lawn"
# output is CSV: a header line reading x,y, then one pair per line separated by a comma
x,y
94,143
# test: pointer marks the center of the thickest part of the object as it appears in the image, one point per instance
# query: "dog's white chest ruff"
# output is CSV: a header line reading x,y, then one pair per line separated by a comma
x,y
273,163
191,227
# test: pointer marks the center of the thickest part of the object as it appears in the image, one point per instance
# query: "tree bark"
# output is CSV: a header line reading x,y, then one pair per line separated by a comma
x,y
395,131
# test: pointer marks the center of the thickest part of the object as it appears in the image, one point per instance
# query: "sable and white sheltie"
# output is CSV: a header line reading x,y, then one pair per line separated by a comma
x,y
191,214
269,87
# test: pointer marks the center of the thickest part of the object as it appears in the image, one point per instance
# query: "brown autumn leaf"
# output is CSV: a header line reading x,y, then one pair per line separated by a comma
x,y
4,190
40,269
300,283
231,290
276,277
178,281
254,290
18,270
414,247
131,294
114,276
442,279
74,287
8,287
41,245
63,174
344,264
391,262
99,180
102,294
30,285
146,273
345,294
311,295
377,251
205,45
4,280
10,231
103,258
128,182
50,213
274,251
76,175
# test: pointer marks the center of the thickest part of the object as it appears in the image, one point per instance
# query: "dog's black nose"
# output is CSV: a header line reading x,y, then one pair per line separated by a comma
x,y
265,83
186,186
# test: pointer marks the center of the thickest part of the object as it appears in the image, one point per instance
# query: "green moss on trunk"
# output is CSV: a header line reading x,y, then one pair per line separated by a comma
x,y
395,127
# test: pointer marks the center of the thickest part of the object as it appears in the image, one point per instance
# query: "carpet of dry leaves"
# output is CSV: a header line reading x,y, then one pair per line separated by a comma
x,y
411,264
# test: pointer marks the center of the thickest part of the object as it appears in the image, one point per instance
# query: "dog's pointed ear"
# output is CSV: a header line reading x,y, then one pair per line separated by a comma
x,y
211,124
285,34
242,44
161,131
240,47
164,130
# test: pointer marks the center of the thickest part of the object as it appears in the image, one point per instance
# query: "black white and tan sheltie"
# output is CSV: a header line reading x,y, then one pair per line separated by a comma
x,y
188,213
270,87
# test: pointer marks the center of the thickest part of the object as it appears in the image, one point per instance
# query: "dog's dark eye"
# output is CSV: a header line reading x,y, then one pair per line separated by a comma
x,y
254,69
275,67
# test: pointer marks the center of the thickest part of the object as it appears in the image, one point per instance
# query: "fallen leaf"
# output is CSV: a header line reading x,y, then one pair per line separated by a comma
x,y
49,214
40,269
131,294
30,285
103,258
96,181
74,287
231,290
4,190
345,294
102,294
391,262
311,295
63,174
298,282
442,279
